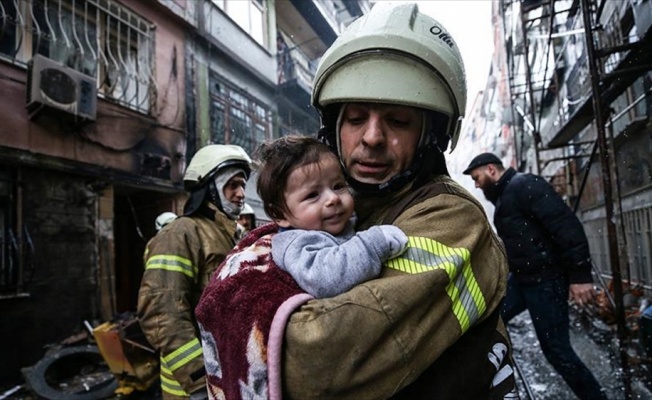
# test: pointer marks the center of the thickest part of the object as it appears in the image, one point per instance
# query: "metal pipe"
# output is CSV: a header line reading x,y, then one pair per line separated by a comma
x,y
629,107
528,74
585,177
548,161
526,384
608,200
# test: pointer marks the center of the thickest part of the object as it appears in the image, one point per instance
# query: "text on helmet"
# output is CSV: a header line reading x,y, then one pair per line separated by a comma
x,y
441,34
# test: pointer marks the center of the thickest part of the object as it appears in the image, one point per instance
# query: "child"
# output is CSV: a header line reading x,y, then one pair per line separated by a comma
x,y
305,192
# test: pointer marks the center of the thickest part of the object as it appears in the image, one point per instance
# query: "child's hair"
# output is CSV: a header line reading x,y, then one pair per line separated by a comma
x,y
275,162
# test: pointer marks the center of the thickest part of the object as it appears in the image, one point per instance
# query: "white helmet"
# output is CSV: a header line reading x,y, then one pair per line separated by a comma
x,y
209,159
164,219
247,210
398,55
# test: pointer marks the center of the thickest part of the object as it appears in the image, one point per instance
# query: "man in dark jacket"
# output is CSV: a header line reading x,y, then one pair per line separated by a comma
x,y
549,261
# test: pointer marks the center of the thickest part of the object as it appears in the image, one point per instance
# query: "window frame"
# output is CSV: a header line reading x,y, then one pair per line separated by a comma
x,y
237,109
259,6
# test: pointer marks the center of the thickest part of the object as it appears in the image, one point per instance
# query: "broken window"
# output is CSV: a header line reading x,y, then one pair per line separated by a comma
x,y
99,38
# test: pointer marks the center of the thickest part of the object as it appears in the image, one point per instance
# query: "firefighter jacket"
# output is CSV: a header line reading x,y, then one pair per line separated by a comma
x,y
178,263
429,327
543,238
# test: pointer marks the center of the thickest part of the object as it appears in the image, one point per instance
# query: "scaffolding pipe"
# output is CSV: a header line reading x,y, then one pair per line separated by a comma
x,y
608,193
585,177
536,134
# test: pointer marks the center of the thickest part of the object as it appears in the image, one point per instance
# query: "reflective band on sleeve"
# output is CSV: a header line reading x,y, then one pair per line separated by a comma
x,y
183,355
171,386
168,383
172,263
424,254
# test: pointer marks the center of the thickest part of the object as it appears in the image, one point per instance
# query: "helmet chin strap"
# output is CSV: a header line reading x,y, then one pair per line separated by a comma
x,y
216,197
396,183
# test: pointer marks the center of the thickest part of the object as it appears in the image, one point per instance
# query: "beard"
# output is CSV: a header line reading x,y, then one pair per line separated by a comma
x,y
491,193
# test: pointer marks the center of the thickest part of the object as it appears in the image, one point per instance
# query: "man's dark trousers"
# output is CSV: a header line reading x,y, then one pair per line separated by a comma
x,y
547,302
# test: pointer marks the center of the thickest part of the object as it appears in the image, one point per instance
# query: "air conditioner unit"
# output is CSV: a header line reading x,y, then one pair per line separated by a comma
x,y
52,86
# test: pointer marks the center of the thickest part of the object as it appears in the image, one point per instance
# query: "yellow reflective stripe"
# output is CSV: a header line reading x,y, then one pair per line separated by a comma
x,y
171,386
164,367
424,254
168,383
183,355
172,263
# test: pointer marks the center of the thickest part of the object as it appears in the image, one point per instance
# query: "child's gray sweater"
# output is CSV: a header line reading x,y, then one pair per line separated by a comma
x,y
325,265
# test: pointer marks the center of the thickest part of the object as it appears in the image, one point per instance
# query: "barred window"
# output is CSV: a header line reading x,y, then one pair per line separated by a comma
x,y
236,117
99,38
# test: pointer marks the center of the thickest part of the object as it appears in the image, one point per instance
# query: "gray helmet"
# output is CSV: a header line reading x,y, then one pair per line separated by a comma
x,y
247,210
398,55
204,166
209,159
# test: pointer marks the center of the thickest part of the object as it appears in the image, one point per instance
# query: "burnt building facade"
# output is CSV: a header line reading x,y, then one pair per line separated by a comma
x,y
103,104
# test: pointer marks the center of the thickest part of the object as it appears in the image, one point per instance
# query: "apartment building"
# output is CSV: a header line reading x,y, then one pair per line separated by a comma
x,y
569,98
103,104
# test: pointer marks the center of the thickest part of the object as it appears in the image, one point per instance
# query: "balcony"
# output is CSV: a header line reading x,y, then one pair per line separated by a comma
x,y
295,75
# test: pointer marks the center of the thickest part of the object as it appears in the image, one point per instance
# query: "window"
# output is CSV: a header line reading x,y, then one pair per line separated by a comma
x,y
250,15
237,118
99,38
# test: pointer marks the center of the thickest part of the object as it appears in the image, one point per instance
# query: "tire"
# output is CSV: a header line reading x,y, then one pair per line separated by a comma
x,y
72,373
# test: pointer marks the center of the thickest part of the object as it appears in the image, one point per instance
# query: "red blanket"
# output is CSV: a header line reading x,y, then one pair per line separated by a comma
x,y
242,315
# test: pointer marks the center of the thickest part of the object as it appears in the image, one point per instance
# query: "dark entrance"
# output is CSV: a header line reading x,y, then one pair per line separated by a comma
x,y
134,215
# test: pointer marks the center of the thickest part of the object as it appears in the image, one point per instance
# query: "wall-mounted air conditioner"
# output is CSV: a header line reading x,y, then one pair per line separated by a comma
x,y
53,86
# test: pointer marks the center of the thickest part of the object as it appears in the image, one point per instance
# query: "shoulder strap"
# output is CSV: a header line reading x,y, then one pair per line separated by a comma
x,y
424,192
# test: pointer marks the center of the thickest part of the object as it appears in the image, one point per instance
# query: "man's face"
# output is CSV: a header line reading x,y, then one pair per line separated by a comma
x,y
246,220
234,190
485,178
378,141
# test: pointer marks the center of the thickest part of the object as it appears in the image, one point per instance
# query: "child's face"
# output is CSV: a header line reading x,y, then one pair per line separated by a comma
x,y
318,197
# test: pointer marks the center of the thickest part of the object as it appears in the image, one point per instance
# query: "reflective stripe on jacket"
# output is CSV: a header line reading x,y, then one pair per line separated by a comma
x,y
178,263
429,327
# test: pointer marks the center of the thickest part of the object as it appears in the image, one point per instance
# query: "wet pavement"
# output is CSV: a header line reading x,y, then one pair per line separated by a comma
x,y
595,346
598,350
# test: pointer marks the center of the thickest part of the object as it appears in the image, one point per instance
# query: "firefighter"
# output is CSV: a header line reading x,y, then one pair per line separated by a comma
x,y
180,259
247,219
391,92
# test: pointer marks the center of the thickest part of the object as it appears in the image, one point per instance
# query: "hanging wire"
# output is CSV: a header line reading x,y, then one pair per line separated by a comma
x,y
135,217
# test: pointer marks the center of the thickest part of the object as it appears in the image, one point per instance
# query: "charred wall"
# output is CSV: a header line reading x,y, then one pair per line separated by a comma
x,y
61,278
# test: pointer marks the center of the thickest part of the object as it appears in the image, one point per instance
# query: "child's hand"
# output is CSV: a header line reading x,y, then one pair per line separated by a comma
x,y
396,239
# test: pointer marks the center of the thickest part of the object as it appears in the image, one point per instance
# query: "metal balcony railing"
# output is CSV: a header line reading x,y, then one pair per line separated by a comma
x,y
294,65
99,38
